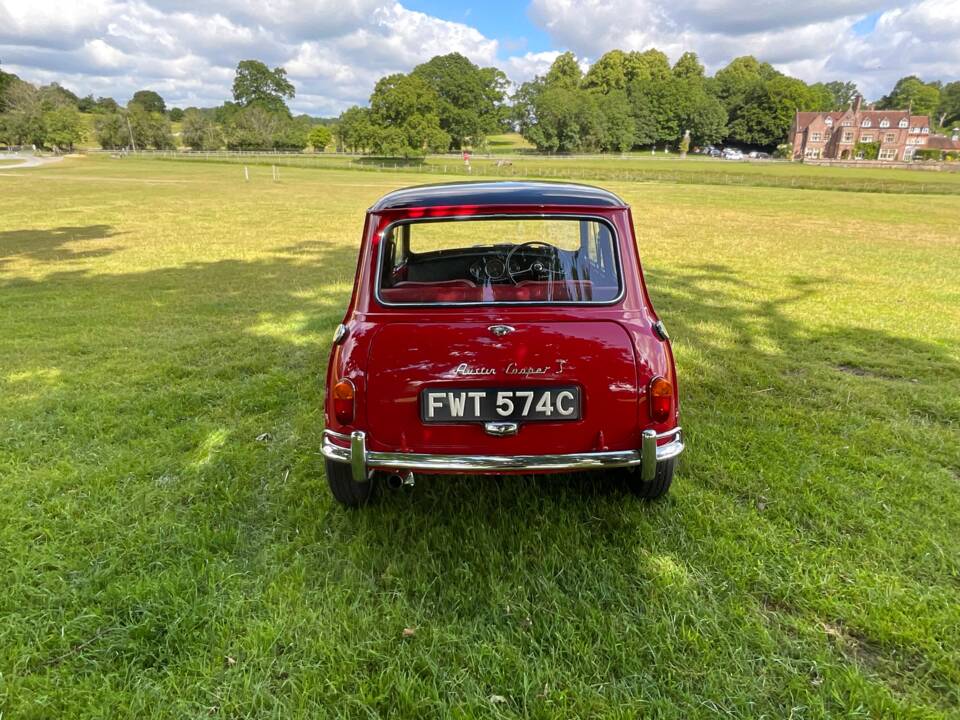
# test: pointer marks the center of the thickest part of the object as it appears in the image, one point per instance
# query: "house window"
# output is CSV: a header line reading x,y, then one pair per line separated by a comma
x,y
866,123
914,130
903,123
891,137
860,155
884,123
815,137
812,153
926,130
848,136
847,123
866,137
829,121
888,154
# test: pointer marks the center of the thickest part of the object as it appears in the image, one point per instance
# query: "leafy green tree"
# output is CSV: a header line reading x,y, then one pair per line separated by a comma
x,y
110,130
842,93
23,123
6,81
564,72
199,131
689,67
175,114
948,112
911,92
740,77
354,130
149,129
768,110
106,104
470,99
319,137
608,73
650,64
619,131
821,98
410,104
63,127
149,101
87,104
257,85
55,95
253,128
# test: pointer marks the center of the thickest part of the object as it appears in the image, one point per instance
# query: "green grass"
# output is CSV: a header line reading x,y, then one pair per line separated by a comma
x,y
159,560
693,170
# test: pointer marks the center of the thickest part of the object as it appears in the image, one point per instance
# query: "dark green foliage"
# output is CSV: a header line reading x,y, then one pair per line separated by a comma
x,y
867,150
63,127
470,99
948,112
256,84
199,131
319,137
911,92
175,114
149,101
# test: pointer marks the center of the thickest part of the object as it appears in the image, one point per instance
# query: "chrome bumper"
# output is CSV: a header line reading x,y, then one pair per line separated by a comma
x,y
362,461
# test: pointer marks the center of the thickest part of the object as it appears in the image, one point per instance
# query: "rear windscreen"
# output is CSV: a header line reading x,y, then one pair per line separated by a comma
x,y
485,261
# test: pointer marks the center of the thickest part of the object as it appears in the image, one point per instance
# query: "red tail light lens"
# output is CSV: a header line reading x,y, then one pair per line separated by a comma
x,y
661,399
343,396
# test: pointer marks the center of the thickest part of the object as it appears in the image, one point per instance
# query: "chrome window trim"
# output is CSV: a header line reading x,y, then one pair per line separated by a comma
x,y
504,216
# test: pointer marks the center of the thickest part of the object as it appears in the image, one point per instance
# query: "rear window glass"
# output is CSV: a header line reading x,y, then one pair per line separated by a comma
x,y
487,261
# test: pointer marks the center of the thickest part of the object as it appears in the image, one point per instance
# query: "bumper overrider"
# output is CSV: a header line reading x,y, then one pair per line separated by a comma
x,y
352,449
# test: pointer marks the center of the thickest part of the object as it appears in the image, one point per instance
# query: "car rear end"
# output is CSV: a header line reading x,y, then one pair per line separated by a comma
x,y
501,339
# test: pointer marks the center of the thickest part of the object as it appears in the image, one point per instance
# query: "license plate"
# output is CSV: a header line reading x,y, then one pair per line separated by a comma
x,y
446,405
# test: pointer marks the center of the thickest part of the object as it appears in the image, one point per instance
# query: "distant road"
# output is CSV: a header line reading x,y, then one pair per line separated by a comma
x,y
27,161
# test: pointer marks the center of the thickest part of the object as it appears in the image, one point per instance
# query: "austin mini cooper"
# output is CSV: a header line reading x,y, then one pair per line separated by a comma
x,y
499,328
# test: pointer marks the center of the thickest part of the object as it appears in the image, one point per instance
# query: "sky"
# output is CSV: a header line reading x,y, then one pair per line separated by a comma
x,y
335,50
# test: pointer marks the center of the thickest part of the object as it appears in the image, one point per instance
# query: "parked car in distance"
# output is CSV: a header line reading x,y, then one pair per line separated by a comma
x,y
499,328
732,154
758,155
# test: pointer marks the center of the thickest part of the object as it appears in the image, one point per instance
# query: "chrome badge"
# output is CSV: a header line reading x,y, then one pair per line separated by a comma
x,y
501,330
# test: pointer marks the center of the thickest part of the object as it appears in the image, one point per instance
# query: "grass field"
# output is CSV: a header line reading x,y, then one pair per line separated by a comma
x,y
170,549
636,167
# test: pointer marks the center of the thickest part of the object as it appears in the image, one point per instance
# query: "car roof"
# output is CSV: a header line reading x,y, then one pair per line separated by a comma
x,y
507,192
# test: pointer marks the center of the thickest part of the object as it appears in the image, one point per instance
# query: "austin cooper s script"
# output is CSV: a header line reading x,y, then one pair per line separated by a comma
x,y
499,328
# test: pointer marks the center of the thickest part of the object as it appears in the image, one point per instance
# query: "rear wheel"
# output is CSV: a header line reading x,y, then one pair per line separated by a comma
x,y
652,489
345,490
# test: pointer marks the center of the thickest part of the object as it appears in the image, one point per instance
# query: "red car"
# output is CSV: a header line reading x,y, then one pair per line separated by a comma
x,y
499,328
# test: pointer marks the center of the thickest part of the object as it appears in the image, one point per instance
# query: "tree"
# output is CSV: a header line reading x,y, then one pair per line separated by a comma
x,y
470,99
409,104
110,130
199,131
911,92
319,137
63,127
149,101
842,93
257,85
6,81
149,129
106,104
768,111
175,114
55,95
689,67
564,72
741,76
608,73
650,64
354,130
23,124
948,112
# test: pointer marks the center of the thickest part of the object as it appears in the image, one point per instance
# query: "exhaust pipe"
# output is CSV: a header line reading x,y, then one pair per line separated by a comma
x,y
395,481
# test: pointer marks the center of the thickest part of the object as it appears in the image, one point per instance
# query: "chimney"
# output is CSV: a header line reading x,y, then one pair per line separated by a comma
x,y
857,101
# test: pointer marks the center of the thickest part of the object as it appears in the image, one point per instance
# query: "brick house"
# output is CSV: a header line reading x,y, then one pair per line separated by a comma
x,y
835,135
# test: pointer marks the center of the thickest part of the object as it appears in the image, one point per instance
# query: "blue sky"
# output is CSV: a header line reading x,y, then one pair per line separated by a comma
x,y
335,50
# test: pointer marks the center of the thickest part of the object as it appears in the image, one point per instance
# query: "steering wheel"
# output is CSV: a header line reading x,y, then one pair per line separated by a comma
x,y
537,266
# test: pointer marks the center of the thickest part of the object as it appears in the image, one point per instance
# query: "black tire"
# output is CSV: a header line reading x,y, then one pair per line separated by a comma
x,y
345,491
658,487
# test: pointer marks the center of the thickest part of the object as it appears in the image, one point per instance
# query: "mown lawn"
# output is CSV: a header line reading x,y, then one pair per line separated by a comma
x,y
170,548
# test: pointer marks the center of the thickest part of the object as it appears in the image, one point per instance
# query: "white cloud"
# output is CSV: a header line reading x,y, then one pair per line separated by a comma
x,y
334,50
814,40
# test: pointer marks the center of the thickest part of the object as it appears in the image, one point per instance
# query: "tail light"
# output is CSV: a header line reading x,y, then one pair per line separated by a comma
x,y
661,399
343,397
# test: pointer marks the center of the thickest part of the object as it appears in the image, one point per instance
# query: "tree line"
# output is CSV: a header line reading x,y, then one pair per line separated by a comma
x,y
624,101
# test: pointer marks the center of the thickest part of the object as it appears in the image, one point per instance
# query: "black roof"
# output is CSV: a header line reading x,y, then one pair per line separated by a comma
x,y
498,193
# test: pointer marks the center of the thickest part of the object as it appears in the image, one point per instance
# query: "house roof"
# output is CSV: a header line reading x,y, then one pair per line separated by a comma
x,y
805,119
942,142
498,193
